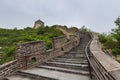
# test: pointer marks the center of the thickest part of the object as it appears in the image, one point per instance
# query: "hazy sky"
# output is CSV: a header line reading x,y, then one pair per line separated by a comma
x,y
98,15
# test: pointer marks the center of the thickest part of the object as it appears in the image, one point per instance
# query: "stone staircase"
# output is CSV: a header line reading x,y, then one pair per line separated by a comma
x,y
71,66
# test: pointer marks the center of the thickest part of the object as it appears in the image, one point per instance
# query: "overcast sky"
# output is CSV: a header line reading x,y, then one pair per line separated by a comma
x,y
98,15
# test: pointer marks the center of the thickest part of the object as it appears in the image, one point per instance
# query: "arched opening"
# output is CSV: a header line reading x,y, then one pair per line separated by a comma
x,y
62,49
33,59
76,42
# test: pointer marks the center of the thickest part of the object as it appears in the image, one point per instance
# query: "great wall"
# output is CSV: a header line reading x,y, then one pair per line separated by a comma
x,y
79,58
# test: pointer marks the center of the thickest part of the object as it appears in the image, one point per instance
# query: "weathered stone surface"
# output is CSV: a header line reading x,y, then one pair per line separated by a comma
x,y
38,24
59,41
8,68
68,31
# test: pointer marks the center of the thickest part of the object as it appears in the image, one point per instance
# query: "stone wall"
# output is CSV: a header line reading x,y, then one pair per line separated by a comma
x,y
64,29
30,48
59,41
30,52
68,31
55,52
75,39
8,68
34,53
50,54
73,30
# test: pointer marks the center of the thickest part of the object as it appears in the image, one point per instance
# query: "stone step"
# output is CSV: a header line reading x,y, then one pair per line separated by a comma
x,y
82,49
73,56
70,59
81,72
75,52
73,64
24,75
76,62
56,75
18,77
67,65
81,46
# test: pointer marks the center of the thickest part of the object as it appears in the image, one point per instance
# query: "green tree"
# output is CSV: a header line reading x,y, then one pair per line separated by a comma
x,y
84,29
110,43
103,38
116,31
116,35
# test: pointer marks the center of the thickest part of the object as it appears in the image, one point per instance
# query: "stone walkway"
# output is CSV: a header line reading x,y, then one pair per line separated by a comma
x,y
71,66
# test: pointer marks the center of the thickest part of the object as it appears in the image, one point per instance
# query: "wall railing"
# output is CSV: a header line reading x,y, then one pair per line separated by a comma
x,y
101,68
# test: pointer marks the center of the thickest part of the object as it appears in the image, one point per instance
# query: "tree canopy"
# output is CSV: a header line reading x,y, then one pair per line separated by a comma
x,y
84,29
112,41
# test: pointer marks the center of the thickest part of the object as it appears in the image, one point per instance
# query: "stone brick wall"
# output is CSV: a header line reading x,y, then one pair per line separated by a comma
x,y
68,46
30,52
73,30
8,68
34,53
51,54
59,41
75,39
30,48
68,31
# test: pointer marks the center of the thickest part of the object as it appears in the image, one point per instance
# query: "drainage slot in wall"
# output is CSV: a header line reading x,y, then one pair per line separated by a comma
x,y
76,42
62,49
34,59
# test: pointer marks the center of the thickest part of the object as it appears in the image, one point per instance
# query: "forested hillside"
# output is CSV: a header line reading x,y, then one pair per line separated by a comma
x,y
9,38
112,40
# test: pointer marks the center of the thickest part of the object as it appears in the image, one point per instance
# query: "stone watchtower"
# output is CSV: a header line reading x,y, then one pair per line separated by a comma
x,y
38,24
